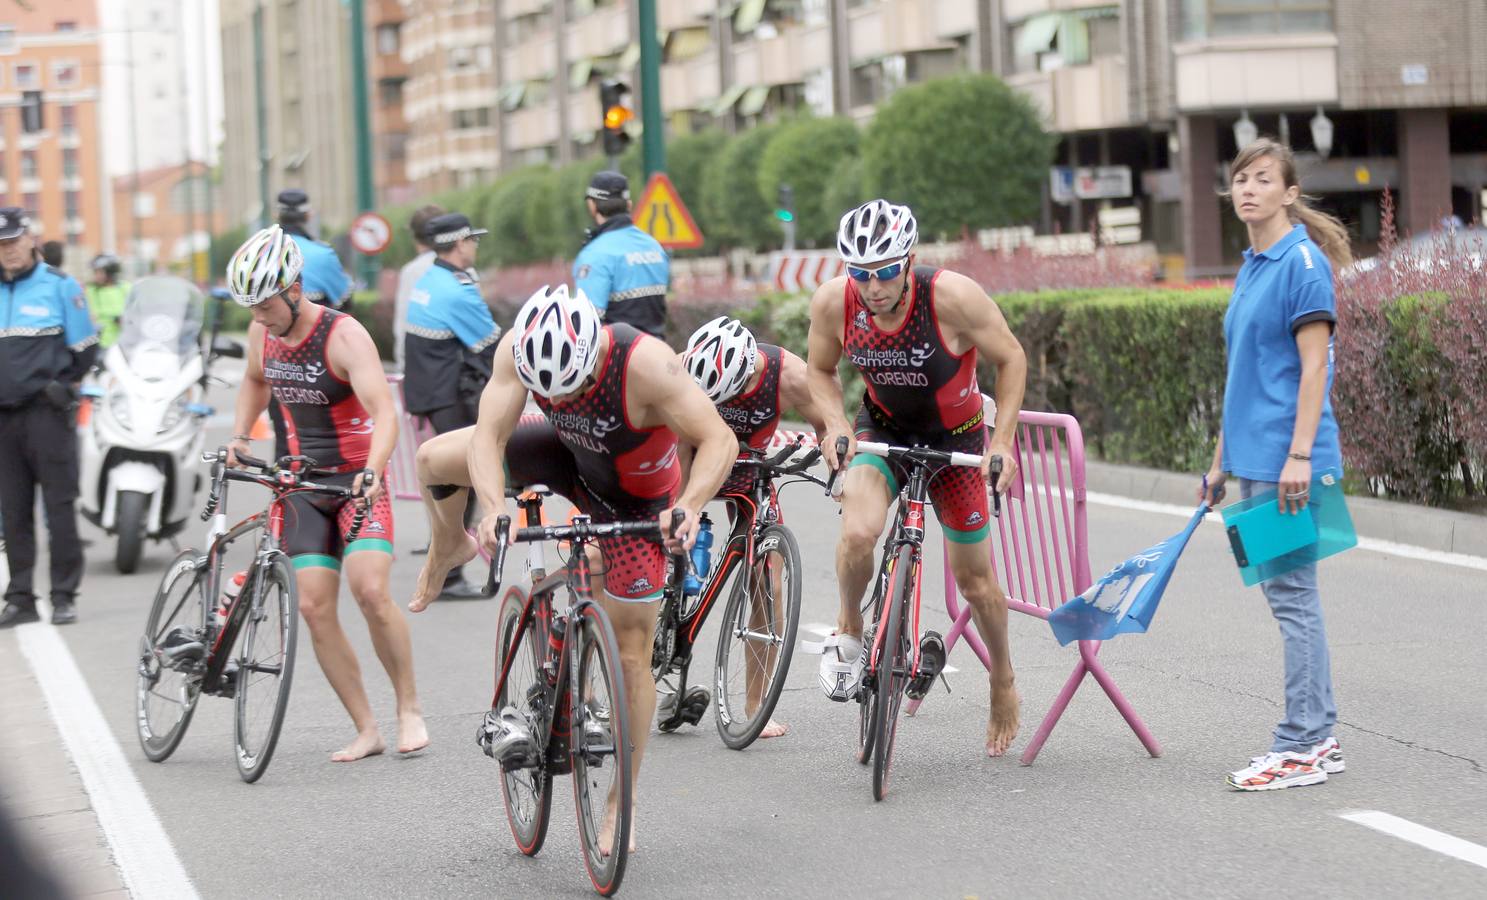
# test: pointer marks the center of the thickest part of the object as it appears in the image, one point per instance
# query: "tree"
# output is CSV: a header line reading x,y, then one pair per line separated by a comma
x,y
541,217
573,214
687,158
803,155
731,203
844,189
965,151
504,212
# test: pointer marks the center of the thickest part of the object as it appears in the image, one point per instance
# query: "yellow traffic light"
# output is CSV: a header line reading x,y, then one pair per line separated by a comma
x,y
616,116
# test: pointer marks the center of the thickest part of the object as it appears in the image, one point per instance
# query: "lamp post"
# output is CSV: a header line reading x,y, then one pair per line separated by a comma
x,y
1321,133
1245,130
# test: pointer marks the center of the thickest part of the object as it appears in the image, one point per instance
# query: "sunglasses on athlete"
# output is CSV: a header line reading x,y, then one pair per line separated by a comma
x,y
883,273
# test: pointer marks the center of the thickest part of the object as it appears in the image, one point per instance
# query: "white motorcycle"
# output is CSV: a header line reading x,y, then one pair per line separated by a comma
x,y
141,445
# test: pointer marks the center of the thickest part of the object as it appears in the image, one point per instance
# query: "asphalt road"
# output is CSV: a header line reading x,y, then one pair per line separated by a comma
x,y
794,816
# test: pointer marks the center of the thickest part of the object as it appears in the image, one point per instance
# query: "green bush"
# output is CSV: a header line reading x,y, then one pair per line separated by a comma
x,y
541,217
504,212
687,158
731,202
804,155
844,189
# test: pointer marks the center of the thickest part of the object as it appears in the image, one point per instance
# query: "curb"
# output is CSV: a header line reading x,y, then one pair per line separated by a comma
x,y
1403,523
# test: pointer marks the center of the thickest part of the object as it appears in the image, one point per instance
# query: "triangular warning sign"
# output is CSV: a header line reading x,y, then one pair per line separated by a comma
x,y
661,214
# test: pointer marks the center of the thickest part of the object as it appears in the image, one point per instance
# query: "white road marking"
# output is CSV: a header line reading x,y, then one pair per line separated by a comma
x,y
142,850
1429,838
1408,551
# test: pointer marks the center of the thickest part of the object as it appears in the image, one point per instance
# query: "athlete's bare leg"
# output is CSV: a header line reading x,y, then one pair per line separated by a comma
x,y
367,573
442,462
318,589
971,566
635,631
864,511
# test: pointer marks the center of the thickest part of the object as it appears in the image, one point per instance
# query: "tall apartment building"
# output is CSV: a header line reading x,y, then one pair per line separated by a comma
x,y
288,108
1148,92
57,173
389,75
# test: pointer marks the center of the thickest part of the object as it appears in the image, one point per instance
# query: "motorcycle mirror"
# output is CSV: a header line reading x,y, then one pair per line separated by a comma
x,y
227,347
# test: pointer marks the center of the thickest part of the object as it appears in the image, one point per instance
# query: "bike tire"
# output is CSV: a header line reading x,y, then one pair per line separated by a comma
x,y
600,740
893,673
129,524
867,699
523,788
273,617
736,726
180,601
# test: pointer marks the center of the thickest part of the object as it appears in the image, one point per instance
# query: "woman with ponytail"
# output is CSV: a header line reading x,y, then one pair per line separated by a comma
x,y
1278,426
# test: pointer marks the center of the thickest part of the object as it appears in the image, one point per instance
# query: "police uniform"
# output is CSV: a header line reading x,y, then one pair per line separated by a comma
x,y
623,270
450,337
47,343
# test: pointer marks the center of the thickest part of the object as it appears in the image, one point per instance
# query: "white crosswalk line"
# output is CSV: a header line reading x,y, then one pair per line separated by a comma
x,y
1415,833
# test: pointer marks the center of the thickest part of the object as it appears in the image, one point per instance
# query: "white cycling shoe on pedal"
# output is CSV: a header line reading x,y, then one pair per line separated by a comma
x,y
842,662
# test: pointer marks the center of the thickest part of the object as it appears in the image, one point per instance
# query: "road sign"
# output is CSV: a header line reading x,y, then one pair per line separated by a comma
x,y
370,233
661,214
804,270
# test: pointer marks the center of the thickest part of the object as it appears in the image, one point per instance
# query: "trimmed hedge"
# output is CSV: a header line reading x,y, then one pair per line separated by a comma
x,y
365,307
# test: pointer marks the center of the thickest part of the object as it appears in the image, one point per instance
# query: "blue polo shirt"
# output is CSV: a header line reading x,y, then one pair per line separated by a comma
x,y
1276,292
325,282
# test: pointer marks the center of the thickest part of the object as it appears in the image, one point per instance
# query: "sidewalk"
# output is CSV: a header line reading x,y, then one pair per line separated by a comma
x,y
41,790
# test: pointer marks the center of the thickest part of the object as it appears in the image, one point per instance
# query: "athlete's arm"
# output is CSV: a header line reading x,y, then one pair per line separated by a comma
x,y
501,404
824,352
971,318
353,356
795,392
253,396
664,394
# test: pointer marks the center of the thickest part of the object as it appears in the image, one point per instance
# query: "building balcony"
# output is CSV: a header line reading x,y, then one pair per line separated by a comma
x,y
534,127
583,112
1260,71
531,60
690,85
1017,10
389,66
783,59
513,9
953,18
889,28
603,32
1079,98
673,14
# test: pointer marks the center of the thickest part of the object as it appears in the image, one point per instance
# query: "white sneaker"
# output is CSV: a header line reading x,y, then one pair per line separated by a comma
x,y
1328,756
842,662
1274,771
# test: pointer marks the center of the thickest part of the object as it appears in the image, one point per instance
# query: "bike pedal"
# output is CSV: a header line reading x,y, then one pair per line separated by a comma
x,y
227,684
693,705
931,663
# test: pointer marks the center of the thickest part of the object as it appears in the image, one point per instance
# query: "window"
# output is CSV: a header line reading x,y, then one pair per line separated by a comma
x,y
69,162
67,120
65,26
74,203
31,203
390,93
65,73
28,164
7,39
1235,18
387,38
479,117
144,205
1049,41
25,77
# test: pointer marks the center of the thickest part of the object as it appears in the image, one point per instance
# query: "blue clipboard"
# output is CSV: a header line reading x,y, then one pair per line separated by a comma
x,y
1267,542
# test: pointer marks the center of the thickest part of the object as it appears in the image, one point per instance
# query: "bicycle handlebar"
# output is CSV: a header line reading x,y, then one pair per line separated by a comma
x,y
271,476
576,531
926,455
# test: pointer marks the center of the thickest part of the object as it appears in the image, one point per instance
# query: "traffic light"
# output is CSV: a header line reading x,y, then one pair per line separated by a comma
x,y
31,117
785,208
614,105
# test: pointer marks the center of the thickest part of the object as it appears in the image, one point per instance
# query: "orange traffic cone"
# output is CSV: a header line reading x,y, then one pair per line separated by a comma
x,y
262,430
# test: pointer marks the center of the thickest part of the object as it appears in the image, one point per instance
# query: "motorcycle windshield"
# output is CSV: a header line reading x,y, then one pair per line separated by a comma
x,y
162,316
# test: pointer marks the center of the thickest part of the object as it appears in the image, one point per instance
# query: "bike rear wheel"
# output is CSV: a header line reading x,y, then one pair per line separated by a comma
x,y
601,749
893,672
165,696
757,638
867,697
527,792
264,655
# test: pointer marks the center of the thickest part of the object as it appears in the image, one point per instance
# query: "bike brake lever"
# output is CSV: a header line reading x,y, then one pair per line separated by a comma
x,y
841,450
996,496
498,559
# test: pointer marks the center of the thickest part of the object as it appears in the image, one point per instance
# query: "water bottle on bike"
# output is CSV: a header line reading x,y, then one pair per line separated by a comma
x,y
701,557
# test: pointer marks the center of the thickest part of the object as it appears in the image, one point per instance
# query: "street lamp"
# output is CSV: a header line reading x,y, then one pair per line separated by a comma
x,y
1245,130
1321,133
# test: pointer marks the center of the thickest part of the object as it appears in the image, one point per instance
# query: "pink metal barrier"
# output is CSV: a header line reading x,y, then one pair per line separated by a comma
x,y
1040,553
402,469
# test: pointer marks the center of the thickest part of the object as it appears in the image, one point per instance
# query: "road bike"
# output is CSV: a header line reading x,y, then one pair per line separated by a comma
x,y
758,570
899,661
559,703
191,645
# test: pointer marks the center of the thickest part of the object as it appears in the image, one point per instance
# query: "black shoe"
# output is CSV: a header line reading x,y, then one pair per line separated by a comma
x,y
64,611
461,590
18,614
675,710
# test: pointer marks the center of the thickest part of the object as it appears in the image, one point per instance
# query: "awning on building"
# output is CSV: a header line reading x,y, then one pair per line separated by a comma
x,y
729,98
630,57
1037,34
579,72
511,95
753,100
748,15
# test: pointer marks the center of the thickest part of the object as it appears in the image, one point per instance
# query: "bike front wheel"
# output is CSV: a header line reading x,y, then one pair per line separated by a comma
x,y
264,657
757,637
527,792
893,672
168,680
601,749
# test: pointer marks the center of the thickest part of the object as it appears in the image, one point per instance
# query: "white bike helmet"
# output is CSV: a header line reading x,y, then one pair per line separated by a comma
x,y
876,230
557,341
720,357
265,265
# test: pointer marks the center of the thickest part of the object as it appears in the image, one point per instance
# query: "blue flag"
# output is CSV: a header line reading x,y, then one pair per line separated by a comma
x,y
1127,597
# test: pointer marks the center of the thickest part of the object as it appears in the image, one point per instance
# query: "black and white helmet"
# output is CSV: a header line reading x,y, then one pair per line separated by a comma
x,y
267,263
876,230
557,341
720,357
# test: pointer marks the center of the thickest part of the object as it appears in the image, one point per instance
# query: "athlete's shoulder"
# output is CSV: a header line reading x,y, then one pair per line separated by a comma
x,y
831,293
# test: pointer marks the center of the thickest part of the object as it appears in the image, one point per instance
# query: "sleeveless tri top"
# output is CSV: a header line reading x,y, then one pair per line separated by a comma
x,y
754,415
615,460
322,417
915,385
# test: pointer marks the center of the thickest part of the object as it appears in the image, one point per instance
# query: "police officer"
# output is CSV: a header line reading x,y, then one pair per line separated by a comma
x,y
325,281
449,340
106,297
47,343
621,268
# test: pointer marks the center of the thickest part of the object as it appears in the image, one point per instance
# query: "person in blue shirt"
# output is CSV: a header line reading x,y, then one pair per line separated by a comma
x,y
448,342
621,268
325,281
1278,428
47,343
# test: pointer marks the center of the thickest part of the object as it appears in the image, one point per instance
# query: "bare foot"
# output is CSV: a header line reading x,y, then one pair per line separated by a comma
x,y
366,744
606,833
774,729
1006,707
413,735
435,567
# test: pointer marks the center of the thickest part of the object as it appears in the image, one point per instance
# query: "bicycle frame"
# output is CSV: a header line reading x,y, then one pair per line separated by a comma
x,y
908,530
